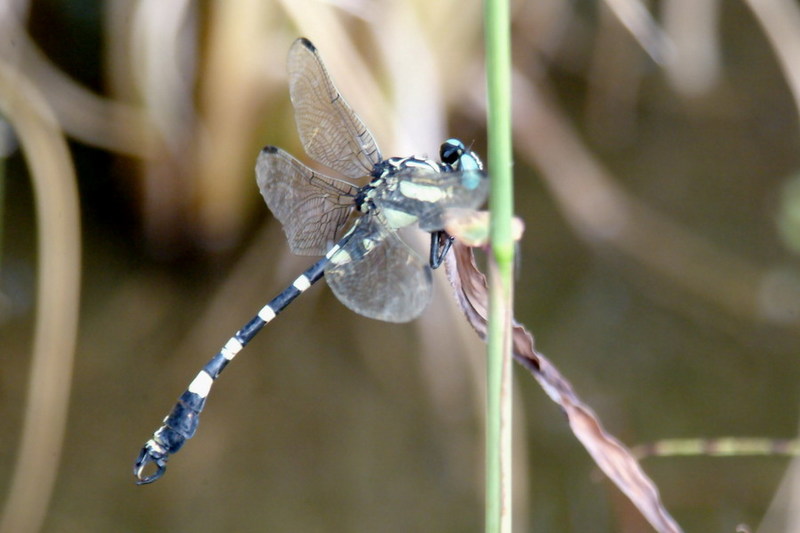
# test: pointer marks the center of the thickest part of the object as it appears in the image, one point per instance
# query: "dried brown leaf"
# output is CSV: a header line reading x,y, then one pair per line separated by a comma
x,y
610,455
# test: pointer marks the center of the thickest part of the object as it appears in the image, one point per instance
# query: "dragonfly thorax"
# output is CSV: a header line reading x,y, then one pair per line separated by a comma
x,y
385,180
394,166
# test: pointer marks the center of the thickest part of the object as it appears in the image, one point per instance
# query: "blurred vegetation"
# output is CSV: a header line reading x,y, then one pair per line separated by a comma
x,y
656,163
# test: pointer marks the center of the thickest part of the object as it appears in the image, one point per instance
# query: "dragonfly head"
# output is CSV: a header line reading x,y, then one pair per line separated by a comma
x,y
454,154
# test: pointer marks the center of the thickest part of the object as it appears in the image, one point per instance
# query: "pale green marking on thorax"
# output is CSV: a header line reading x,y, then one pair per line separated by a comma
x,y
397,219
423,193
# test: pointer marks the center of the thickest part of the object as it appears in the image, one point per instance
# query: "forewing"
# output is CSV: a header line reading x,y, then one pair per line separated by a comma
x,y
425,194
377,275
331,132
312,208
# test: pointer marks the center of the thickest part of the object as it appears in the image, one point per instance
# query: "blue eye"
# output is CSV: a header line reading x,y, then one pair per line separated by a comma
x,y
451,151
469,161
471,179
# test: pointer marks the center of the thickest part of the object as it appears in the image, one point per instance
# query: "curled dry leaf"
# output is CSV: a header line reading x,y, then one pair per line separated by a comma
x,y
610,455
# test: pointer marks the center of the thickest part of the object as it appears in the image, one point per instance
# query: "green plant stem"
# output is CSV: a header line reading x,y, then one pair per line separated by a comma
x,y
501,260
2,197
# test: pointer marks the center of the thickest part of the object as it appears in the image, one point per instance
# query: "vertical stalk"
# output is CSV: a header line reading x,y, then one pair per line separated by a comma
x,y
3,156
501,260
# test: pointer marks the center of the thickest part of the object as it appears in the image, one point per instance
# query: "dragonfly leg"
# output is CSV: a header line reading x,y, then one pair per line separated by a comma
x,y
440,245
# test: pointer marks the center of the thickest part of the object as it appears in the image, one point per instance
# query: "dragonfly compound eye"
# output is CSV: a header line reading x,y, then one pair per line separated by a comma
x,y
450,151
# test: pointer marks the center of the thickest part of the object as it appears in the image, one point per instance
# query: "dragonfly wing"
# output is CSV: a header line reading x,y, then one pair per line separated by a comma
x,y
377,275
424,194
313,209
331,132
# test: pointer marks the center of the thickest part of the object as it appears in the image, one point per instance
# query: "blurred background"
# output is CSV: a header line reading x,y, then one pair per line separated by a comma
x,y
656,172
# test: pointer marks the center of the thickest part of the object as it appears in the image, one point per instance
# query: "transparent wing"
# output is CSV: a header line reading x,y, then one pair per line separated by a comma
x,y
331,132
312,208
425,193
377,275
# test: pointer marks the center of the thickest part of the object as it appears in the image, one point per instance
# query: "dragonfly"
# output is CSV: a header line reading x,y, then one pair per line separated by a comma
x,y
350,216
